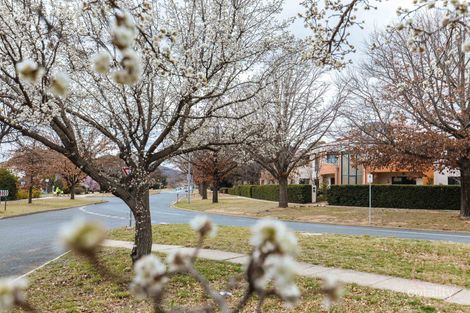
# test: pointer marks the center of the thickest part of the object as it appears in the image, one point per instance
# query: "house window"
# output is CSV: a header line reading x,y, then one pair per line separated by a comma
x,y
453,180
350,175
331,159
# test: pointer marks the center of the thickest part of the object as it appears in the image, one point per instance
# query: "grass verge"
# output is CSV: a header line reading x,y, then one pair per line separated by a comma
x,y
438,262
71,285
400,218
20,207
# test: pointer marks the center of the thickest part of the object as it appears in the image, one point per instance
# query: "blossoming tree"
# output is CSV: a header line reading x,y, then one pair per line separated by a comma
x,y
293,116
410,103
145,75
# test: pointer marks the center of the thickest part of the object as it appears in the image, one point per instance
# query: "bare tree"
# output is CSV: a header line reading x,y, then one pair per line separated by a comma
x,y
293,117
412,106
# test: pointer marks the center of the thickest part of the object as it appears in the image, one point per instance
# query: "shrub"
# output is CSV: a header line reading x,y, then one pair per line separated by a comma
x,y
8,181
234,191
295,193
245,190
23,193
397,196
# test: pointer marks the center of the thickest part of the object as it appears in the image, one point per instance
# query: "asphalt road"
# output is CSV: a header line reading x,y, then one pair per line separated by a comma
x,y
28,241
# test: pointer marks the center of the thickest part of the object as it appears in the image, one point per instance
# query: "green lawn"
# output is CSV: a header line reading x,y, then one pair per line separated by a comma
x,y
19,207
439,262
401,218
71,285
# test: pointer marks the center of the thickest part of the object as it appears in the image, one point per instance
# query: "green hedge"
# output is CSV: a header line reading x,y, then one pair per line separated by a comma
x,y
396,196
9,182
295,193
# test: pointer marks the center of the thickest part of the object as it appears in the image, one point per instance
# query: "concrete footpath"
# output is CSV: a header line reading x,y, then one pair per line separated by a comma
x,y
452,294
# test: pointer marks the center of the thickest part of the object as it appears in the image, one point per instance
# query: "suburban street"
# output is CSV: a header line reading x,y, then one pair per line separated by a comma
x,y
29,241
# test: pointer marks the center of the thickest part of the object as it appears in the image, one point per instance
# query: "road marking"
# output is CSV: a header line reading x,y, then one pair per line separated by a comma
x,y
39,267
120,217
102,215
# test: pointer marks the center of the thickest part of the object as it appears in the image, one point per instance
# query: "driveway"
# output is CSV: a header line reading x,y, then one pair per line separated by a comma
x,y
28,241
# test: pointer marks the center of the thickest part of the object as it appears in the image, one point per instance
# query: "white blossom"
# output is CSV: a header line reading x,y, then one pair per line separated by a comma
x,y
60,84
271,235
204,226
29,71
332,291
102,62
150,276
82,236
11,292
123,37
466,47
178,260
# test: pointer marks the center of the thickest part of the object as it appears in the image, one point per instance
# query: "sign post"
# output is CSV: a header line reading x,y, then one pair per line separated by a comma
x,y
314,194
370,180
4,194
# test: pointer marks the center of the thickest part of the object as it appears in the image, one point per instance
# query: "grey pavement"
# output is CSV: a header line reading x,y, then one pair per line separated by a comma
x,y
411,287
29,241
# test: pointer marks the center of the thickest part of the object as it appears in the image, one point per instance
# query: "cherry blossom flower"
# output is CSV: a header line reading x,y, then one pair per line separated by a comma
x,y
177,260
29,71
12,292
204,226
150,276
60,84
82,236
102,62
332,290
270,235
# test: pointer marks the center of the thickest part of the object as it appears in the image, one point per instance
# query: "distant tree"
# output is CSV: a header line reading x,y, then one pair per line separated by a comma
x,y
33,161
68,171
211,167
9,182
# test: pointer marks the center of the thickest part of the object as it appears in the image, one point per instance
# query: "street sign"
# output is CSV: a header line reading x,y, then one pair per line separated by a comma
x,y
4,194
370,178
126,171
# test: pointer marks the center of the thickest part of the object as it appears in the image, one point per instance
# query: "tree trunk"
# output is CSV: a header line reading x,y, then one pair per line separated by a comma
x,y
215,191
204,191
30,190
143,227
72,191
465,188
283,199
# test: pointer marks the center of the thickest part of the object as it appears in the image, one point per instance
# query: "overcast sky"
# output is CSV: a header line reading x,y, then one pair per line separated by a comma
x,y
374,19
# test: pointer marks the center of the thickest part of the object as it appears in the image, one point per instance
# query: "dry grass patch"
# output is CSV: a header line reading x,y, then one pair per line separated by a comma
x,y
19,207
71,285
399,218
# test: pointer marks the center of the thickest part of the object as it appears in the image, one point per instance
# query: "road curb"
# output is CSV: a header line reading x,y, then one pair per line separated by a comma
x,y
43,265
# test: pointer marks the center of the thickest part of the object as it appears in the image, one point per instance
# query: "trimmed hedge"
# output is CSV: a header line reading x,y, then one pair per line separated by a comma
x,y
9,182
396,196
295,193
